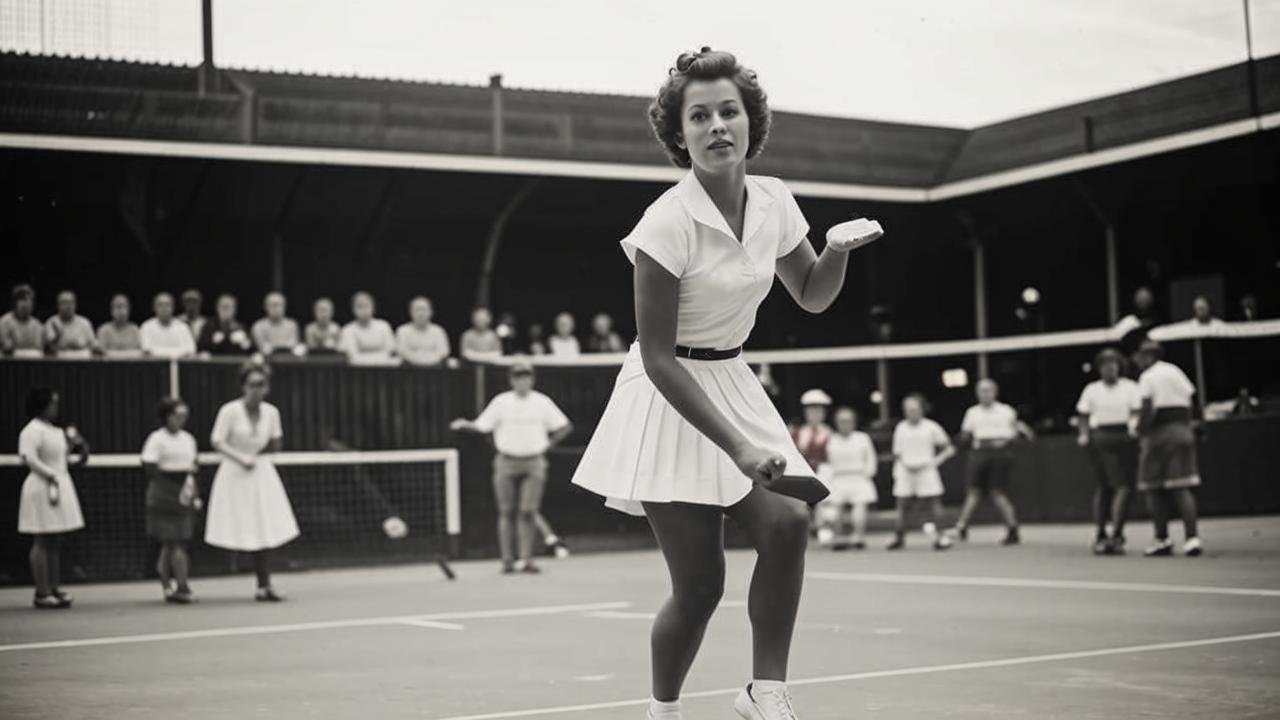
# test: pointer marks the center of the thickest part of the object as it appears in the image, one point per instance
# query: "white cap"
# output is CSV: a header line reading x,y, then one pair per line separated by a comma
x,y
815,397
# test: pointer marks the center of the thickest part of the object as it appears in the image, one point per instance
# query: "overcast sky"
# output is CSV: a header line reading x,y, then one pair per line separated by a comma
x,y
947,62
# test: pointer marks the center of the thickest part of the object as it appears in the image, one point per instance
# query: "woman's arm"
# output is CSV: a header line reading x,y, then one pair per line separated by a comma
x,y
245,459
814,282
560,434
944,454
32,461
657,293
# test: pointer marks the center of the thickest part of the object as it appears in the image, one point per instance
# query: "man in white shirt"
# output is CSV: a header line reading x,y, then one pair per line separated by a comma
x,y
988,428
525,424
420,341
1167,465
1106,414
164,335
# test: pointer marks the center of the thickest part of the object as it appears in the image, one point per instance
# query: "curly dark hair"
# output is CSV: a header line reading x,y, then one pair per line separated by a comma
x,y
707,64
166,406
38,400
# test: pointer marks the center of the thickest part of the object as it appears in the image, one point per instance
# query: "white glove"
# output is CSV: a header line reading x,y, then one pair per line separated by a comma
x,y
853,234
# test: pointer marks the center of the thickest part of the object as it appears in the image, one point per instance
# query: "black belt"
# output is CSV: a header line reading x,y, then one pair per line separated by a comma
x,y
707,353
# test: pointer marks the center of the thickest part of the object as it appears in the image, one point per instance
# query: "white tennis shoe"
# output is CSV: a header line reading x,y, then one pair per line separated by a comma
x,y
774,705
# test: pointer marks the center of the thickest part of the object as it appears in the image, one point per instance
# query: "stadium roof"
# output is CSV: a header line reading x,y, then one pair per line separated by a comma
x,y
116,106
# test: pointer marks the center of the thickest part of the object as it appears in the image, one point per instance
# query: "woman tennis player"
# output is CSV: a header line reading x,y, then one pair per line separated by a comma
x,y
689,435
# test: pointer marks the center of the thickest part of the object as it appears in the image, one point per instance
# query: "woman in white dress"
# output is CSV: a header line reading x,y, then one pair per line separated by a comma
x,y
248,508
689,435
49,506
850,472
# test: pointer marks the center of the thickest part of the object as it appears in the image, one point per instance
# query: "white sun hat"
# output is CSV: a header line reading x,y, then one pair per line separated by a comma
x,y
815,397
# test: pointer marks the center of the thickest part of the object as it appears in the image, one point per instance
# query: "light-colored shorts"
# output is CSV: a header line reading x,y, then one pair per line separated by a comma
x,y
919,483
518,483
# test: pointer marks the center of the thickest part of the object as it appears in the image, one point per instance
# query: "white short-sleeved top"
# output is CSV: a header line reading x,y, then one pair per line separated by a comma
x,y
44,442
1166,385
991,422
916,443
520,425
852,455
722,281
1109,404
233,427
171,452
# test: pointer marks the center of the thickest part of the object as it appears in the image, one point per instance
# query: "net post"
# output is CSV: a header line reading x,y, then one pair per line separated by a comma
x,y
173,378
452,499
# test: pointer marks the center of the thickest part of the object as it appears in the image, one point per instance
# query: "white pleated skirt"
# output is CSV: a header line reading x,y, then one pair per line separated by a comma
x,y
249,509
645,451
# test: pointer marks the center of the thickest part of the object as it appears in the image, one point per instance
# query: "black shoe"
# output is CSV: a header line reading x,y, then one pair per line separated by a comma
x,y
180,597
962,532
1102,546
859,545
508,568
48,602
531,569
1011,537
1117,545
1162,548
268,594
897,544
63,597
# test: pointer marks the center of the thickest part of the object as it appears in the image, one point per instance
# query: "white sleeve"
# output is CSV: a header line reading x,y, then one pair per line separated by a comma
x,y
221,424
276,429
1146,388
347,340
1135,396
869,448
488,419
897,439
940,436
144,337
29,441
966,425
1084,406
188,340
151,449
795,227
663,235
552,417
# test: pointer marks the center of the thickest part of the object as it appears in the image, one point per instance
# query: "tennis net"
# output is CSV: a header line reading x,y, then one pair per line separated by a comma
x,y
353,507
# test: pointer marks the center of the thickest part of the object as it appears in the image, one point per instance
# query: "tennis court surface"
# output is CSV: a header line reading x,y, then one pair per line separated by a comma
x,y
1039,631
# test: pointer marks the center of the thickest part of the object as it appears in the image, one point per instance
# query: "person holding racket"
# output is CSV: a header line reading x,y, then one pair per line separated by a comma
x,y
689,435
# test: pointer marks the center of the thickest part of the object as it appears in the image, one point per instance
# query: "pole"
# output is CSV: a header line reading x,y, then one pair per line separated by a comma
x,y
495,85
882,384
980,302
1113,282
207,77
1201,392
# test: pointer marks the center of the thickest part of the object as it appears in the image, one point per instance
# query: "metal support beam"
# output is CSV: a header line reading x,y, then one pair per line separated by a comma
x,y
980,303
208,75
882,384
1113,281
494,241
495,86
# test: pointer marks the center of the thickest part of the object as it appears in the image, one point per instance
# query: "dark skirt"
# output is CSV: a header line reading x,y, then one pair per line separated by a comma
x,y
1115,456
167,519
1168,457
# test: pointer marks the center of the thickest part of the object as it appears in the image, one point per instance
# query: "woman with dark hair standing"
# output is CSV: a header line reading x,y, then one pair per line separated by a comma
x,y
49,506
1106,419
249,510
169,461
689,435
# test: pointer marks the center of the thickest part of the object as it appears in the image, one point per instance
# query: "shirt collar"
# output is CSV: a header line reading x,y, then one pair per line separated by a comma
x,y
699,204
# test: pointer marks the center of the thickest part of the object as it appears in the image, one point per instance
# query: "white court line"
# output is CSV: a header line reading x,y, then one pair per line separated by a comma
x,y
434,625
1041,584
318,625
923,670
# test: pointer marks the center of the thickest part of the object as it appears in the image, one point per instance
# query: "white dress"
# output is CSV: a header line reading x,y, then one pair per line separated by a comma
x,y
36,515
642,449
850,469
248,509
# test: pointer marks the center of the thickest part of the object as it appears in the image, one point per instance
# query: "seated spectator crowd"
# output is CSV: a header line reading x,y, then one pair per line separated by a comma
x,y
366,339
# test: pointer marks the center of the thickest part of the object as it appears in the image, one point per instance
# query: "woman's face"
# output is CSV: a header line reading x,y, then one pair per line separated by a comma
x,y
256,387
362,308
177,418
226,309
912,409
323,311
815,414
120,309
713,125
564,325
845,422
1109,370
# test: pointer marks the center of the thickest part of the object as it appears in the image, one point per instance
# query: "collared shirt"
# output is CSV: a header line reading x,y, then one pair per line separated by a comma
x,y
722,281
1166,385
562,346
852,455
996,421
918,443
171,452
521,425
18,334
422,346
1109,404
75,334
275,335
119,338
480,342
171,340
374,341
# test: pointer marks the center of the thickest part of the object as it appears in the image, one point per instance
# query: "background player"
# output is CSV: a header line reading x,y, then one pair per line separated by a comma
x,y
850,472
988,428
920,446
1106,411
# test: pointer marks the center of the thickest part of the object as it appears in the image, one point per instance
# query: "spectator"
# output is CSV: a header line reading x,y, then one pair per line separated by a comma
x,y
480,341
367,340
224,335
1134,326
67,334
507,334
562,342
164,335
537,340
120,336
20,333
276,333
192,307
1202,312
603,339
1249,308
323,334
420,341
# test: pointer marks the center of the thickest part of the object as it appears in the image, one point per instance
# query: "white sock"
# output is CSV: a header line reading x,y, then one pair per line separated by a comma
x,y
660,710
766,686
